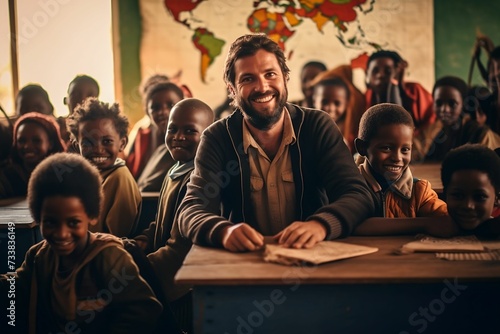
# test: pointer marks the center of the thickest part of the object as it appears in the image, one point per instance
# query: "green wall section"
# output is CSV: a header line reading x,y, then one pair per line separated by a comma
x,y
455,25
130,40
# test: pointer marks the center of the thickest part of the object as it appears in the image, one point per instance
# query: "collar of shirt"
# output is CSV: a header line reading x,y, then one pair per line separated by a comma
x,y
288,134
180,169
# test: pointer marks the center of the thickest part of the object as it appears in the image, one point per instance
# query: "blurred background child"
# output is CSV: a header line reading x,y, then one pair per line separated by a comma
x,y
33,98
385,83
35,137
160,98
80,88
308,72
453,127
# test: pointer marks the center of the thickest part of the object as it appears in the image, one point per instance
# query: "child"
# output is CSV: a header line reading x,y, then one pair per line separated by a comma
x,y
355,101
309,71
471,183
160,98
384,80
187,121
453,127
35,136
100,131
332,95
385,140
81,87
31,98
75,280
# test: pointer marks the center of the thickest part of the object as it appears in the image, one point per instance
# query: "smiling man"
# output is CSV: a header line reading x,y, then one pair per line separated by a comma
x,y
271,168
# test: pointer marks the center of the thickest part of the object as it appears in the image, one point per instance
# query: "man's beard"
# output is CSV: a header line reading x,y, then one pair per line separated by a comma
x,y
257,119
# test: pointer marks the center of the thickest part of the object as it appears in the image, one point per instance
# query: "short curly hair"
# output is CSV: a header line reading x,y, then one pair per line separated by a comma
x,y
248,45
93,109
471,157
67,175
380,115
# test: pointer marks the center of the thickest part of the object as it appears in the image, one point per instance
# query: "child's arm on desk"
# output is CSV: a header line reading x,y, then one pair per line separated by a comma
x,y
442,226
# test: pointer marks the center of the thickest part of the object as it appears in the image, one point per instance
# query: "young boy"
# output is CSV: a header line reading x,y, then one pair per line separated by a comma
x,y
187,121
100,131
80,88
385,140
74,280
385,83
471,182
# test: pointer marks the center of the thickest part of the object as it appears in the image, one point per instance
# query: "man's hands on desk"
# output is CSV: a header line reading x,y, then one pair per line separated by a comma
x,y
242,237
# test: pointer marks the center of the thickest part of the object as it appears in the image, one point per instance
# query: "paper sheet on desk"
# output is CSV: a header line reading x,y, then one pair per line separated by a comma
x,y
431,244
325,251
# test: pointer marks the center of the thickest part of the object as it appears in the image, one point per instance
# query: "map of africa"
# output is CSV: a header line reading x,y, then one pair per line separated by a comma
x,y
276,18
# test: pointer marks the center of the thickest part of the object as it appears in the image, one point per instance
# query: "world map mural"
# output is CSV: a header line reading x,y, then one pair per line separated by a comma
x,y
278,19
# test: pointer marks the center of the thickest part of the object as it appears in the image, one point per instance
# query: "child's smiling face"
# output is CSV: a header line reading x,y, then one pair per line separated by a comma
x,y
389,152
100,142
64,224
470,197
32,143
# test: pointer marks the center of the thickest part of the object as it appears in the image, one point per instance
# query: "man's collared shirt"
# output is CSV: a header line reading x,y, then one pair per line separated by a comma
x,y
271,181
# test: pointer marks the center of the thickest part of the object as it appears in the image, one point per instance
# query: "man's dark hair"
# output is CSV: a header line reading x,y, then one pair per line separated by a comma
x,y
248,45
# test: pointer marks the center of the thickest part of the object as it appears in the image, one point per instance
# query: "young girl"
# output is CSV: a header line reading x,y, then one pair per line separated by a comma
x,y
100,131
35,136
160,98
31,98
453,127
74,280
471,182
335,87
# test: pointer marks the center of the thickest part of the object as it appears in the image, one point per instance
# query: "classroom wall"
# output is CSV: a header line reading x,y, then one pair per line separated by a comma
x,y
436,37
194,37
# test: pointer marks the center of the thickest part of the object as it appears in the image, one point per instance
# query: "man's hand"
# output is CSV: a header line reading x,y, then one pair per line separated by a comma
x,y
302,234
241,237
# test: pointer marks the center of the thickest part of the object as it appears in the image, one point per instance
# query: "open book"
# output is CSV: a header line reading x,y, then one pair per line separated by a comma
x,y
426,243
325,251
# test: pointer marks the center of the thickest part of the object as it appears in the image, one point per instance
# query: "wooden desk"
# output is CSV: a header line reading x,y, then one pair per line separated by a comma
x,y
148,211
376,293
430,172
25,231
